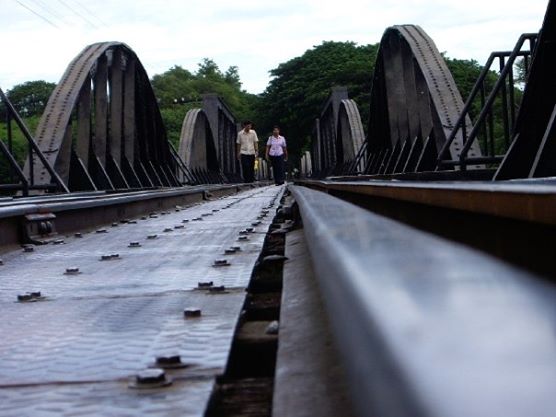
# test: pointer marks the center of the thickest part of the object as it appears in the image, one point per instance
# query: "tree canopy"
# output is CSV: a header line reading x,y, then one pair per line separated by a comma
x,y
179,90
300,86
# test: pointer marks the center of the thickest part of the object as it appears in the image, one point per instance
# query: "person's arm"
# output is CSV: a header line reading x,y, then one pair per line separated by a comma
x,y
238,147
256,145
285,150
267,151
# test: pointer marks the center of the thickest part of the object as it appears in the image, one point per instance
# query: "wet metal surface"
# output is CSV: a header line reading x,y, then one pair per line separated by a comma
x,y
73,351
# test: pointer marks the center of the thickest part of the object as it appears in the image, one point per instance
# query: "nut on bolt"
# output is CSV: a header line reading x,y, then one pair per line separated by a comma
x,y
169,362
134,244
72,271
150,378
204,284
221,262
151,237
190,313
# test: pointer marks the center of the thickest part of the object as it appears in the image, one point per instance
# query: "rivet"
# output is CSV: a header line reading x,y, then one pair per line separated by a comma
x,y
206,214
102,231
134,244
250,230
72,271
196,219
78,235
221,262
151,237
168,229
243,232
215,210
179,226
204,284
185,221
243,238
189,313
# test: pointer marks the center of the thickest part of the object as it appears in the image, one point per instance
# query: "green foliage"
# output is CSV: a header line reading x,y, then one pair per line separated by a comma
x,y
178,90
30,98
19,145
300,86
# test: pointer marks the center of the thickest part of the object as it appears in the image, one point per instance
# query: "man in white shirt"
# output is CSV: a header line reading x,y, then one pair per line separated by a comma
x,y
247,149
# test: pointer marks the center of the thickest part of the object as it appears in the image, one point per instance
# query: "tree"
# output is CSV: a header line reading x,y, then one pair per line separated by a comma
x,y
179,90
300,86
30,98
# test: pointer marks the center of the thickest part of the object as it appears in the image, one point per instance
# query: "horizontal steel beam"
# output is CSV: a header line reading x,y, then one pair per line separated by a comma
x,y
427,327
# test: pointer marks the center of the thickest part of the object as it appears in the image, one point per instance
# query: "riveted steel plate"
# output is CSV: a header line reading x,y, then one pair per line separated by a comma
x,y
73,352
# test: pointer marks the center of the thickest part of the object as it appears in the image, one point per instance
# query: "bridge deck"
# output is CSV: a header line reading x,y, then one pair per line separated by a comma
x,y
76,351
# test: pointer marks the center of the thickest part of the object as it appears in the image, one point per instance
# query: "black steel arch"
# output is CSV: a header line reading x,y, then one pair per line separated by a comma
x,y
102,127
414,104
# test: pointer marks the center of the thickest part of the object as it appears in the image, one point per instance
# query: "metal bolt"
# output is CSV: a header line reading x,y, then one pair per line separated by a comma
x,y
215,210
197,219
206,214
143,217
58,242
219,288
229,251
255,223
115,224
243,238
134,244
170,362
24,297
110,257
221,262
189,313
78,235
150,378
168,229
132,222
151,237
204,284
250,230
185,221
153,216
28,249
179,226
124,221
243,232
72,271
102,231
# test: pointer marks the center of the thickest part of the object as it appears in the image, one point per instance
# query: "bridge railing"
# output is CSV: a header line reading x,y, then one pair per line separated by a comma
x,y
496,104
15,179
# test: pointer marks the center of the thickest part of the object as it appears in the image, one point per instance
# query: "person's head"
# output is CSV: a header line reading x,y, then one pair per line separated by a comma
x,y
275,130
247,125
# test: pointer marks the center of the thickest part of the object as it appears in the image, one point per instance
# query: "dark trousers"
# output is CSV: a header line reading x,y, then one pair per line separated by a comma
x,y
248,167
278,168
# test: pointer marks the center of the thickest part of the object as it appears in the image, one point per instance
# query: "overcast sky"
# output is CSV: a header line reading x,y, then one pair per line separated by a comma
x,y
254,35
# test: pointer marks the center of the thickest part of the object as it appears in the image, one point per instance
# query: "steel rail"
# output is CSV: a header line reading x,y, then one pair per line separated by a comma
x,y
533,201
427,327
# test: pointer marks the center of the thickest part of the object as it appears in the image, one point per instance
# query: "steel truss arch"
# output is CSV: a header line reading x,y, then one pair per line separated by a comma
x,y
102,128
414,104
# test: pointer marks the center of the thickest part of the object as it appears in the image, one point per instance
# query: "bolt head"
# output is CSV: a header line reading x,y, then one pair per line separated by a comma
x,y
134,244
168,229
189,313
204,284
151,237
78,235
102,231
221,262
72,270
28,249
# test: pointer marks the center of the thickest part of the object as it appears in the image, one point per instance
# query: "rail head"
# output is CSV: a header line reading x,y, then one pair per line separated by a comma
x,y
427,327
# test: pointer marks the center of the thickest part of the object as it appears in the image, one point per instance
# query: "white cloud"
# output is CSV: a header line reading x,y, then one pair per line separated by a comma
x,y
254,36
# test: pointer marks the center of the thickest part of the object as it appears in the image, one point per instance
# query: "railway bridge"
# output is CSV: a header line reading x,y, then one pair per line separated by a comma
x,y
408,271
